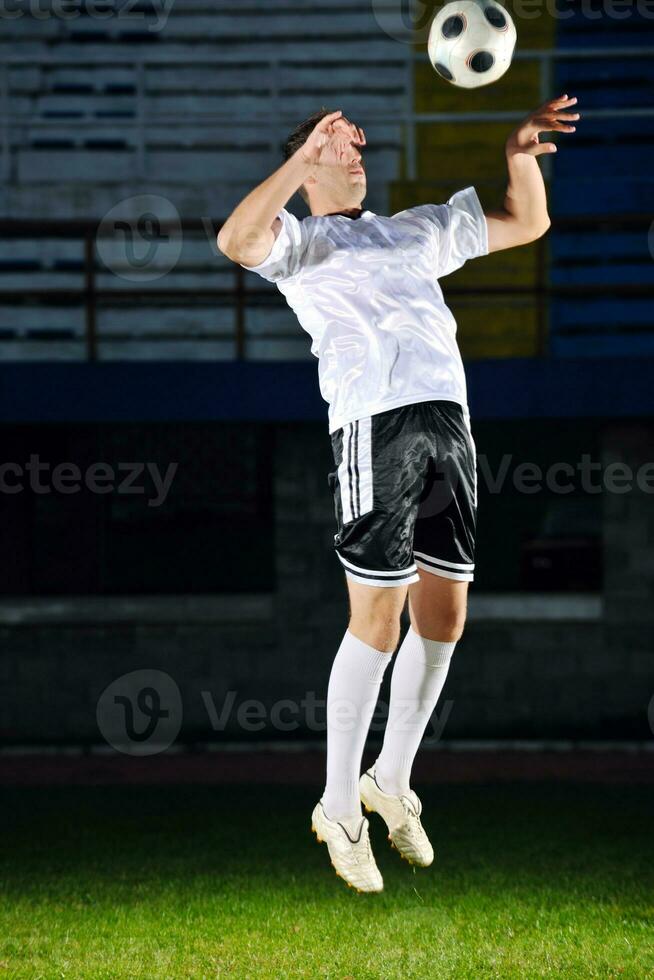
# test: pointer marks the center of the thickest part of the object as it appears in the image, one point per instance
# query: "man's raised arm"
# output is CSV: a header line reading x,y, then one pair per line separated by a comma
x,y
524,216
250,231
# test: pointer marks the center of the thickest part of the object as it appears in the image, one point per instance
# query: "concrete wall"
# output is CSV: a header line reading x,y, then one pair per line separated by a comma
x,y
550,668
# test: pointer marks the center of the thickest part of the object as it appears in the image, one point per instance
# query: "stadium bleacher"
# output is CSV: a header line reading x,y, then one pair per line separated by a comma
x,y
606,171
187,104
192,109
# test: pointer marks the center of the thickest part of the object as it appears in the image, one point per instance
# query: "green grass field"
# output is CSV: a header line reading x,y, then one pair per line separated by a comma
x,y
529,881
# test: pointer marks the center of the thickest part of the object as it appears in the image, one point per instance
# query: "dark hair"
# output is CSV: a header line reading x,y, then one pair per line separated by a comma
x,y
301,133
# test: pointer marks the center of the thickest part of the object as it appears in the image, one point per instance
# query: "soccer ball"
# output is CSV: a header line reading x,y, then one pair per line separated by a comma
x,y
471,43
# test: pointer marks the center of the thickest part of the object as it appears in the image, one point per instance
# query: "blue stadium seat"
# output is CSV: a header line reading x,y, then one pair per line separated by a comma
x,y
605,169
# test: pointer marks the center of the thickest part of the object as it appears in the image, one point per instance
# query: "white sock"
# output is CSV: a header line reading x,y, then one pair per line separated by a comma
x,y
418,677
352,694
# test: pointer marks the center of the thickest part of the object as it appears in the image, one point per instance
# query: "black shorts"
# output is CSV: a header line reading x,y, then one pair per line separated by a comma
x,y
405,494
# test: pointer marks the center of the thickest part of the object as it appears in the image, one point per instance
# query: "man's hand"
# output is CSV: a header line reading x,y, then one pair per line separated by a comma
x,y
330,140
524,217
549,118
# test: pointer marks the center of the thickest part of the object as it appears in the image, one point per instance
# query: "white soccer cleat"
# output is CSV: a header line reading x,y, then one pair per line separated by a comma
x,y
351,855
402,816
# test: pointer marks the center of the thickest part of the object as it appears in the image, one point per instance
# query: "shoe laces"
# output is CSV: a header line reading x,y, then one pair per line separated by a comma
x,y
412,808
362,847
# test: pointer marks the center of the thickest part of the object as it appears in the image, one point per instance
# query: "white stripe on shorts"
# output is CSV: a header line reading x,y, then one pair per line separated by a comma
x,y
455,566
346,475
364,464
384,580
396,573
355,471
435,570
383,583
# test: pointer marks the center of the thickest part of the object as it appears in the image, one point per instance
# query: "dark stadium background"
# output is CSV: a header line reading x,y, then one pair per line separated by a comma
x,y
125,338
170,603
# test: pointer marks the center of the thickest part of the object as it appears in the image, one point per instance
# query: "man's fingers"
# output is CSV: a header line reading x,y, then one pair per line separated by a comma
x,y
554,118
356,133
343,145
554,126
348,131
341,138
341,123
556,105
558,128
564,98
550,117
338,130
538,149
565,104
347,128
327,121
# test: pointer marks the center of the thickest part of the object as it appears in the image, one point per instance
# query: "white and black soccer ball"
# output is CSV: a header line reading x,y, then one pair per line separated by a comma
x,y
471,43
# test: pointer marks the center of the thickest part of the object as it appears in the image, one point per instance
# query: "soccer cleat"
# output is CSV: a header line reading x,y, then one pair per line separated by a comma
x,y
402,816
351,857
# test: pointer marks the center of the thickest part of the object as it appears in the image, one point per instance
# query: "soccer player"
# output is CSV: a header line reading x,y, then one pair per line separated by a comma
x,y
365,287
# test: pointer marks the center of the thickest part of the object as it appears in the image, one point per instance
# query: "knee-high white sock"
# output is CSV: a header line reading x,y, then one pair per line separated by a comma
x,y
352,694
418,677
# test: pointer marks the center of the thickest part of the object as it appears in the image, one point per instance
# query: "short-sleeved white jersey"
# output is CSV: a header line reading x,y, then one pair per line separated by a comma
x,y
367,292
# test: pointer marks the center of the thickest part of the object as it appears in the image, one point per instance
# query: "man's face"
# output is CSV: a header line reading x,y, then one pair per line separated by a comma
x,y
341,173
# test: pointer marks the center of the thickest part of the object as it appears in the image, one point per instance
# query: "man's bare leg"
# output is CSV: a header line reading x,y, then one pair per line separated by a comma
x,y
437,608
375,614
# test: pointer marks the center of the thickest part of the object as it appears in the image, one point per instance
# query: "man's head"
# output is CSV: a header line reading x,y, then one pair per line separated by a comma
x,y
338,181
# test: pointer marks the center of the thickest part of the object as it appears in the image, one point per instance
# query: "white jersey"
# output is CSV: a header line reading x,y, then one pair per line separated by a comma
x,y
366,290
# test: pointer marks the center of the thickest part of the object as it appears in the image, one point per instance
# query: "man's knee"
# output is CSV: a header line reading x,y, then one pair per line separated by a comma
x,y
379,629
443,623
451,626
375,616
378,636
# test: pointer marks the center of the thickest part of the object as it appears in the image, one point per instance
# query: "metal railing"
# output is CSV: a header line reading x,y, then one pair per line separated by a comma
x,y
545,59
240,296
275,119
272,121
